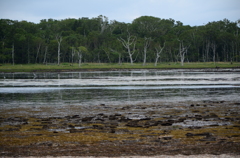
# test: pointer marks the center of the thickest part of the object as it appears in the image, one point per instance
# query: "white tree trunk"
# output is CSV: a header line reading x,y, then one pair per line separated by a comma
x,y
79,53
28,53
159,51
207,49
103,23
73,53
119,55
13,54
45,54
146,45
119,59
59,40
214,46
182,51
156,61
128,44
107,55
79,59
182,57
38,49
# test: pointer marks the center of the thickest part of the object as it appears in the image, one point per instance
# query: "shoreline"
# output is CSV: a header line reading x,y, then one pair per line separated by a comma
x,y
68,67
235,69
149,129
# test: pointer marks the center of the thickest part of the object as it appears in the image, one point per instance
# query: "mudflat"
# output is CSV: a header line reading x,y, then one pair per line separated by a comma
x,y
141,129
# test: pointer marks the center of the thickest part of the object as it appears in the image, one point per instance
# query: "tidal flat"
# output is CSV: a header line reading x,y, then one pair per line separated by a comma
x,y
127,113
187,128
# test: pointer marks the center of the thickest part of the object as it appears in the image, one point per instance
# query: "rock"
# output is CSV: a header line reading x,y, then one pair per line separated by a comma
x,y
35,129
134,123
111,125
45,127
189,134
67,117
182,119
122,131
165,137
87,119
46,119
99,119
48,143
98,127
213,125
71,126
167,123
75,116
117,115
151,123
203,134
124,119
76,130
46,122
208,139
198,117
15,121
237,126
195,111
112,130
213,115
199,134
194,127
112,117
228,119
12,129
146,118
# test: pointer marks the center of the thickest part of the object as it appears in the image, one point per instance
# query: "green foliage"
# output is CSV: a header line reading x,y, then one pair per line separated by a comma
x,y
98,40
107,66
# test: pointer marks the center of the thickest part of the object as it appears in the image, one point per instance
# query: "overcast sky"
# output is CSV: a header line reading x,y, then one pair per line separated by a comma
x,y
190,12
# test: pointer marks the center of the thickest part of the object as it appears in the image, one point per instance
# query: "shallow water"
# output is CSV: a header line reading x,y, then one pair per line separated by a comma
x,y
116,87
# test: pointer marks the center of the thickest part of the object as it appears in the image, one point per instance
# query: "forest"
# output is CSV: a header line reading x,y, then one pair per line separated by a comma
x,y
147,39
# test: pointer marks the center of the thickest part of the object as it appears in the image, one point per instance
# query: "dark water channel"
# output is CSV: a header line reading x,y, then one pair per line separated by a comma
x,y
116,87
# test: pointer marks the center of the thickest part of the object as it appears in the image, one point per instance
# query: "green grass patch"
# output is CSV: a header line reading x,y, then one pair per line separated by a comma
x,y
108,66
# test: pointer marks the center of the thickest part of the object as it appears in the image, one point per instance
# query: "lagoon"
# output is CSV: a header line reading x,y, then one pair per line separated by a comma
x,y
117,87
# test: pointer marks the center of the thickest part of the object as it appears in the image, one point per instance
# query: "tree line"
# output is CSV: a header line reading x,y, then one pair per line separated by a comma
x,y
146,39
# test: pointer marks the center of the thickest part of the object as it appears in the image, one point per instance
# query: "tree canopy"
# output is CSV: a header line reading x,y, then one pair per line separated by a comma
x,y
146,39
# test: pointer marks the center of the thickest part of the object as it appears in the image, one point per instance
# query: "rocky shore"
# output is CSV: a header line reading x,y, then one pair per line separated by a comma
x,y
146,129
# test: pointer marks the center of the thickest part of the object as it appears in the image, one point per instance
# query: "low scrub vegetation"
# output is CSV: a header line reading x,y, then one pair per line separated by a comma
x,y
108,66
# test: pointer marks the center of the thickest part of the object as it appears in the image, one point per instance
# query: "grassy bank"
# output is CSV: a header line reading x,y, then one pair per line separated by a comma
x,y
102,66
